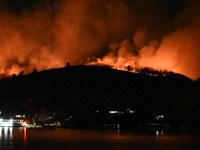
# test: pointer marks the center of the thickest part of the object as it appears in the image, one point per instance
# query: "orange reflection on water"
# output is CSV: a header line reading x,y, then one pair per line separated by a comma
x,y
24,138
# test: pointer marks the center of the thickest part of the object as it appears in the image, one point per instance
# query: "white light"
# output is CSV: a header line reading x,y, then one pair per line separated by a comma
x,y
11,131
113,112
1,131
6,122
131,111
5,131
157,134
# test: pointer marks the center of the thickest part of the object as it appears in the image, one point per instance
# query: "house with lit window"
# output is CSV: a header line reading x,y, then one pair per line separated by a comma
x,y
11,120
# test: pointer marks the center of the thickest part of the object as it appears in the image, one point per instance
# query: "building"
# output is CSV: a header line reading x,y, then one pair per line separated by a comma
x,y
11,120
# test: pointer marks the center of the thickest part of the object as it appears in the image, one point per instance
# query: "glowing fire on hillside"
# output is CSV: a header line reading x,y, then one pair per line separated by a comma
x,y
134,69
108,32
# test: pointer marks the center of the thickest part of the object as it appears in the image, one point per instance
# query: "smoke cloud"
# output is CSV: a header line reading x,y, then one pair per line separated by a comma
x,y
48,34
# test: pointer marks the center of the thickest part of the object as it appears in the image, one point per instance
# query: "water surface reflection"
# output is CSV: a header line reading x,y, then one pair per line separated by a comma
x,y
6,137
25,138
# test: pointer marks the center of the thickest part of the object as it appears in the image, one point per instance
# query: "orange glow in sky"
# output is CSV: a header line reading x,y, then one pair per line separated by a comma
x,y
118,33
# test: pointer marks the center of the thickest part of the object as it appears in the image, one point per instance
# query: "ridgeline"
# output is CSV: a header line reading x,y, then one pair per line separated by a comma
x,y
83,90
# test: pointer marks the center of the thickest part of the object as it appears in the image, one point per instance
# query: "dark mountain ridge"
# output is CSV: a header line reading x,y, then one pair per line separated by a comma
x,y
86,89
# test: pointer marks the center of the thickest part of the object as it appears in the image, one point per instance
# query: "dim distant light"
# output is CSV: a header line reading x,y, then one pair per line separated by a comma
x,y
159,116
131,111
18,116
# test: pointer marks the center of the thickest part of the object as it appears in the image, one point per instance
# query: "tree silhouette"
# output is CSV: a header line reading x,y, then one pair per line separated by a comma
x,y
35,70
68,64
21,73
129,68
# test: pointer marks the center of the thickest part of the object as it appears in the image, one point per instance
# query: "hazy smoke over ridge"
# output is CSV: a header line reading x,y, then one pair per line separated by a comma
x,y
47,34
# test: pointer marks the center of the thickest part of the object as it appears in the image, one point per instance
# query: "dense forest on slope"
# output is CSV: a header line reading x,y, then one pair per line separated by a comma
x,y
86,89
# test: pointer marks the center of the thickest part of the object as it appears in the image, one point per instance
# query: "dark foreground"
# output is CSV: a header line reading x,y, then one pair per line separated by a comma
x,y
40,139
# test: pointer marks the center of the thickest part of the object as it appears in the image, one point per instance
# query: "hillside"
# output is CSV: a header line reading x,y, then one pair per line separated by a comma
x,y
86,89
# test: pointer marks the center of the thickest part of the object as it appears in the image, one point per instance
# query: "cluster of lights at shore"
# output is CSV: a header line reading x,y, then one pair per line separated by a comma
x,y
120,112
6,122
11,122
128,110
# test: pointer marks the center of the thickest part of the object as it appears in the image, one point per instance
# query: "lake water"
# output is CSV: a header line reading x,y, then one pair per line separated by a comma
x,y
41,139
